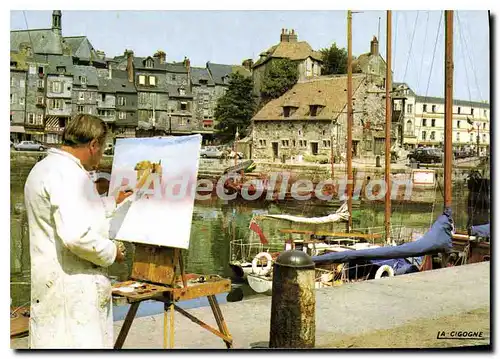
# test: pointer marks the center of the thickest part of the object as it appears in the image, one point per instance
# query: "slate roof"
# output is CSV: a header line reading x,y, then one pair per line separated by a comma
x,y
118,83
139,63
177,67
81,48
89,71
395,85
327,91
56,61
44,41
200,73
220,71
440,100
299,50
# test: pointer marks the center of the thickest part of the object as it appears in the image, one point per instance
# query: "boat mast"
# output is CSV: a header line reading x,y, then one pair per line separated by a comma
x,y
388,119
448,107
349,120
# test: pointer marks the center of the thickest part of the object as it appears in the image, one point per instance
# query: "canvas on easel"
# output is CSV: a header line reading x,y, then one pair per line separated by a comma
x,y
162,172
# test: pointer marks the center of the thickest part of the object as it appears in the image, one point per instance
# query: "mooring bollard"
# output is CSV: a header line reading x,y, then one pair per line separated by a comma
x,y
293,304
377,161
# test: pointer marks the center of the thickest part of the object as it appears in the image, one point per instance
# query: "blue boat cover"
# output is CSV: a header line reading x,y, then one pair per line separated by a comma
x,y
437,239
482,230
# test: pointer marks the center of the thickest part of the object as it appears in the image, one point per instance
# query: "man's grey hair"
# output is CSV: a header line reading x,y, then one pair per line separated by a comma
x,y
82,129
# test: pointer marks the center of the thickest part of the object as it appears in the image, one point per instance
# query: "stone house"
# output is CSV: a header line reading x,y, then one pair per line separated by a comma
x,y
311,119
85,89
18,77
180,101
106,98
371,63
309,61
126,104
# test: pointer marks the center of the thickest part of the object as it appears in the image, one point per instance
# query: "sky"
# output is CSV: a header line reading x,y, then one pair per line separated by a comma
x,y
229,37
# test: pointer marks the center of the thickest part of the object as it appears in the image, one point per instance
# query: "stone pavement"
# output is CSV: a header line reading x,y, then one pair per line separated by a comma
x,y
349,309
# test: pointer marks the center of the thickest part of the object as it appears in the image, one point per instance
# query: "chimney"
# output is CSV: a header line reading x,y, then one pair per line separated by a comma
x,y
248,63
374,46
130,65
161,56
293,36
110,71
187,64
101,55
285,37
56,21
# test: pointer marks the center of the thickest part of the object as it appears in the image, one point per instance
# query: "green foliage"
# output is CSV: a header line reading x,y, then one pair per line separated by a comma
x,y
335,61
321,159
235,109
280,78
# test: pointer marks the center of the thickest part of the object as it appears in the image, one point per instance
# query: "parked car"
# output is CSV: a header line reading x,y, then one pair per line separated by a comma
x,y
463,154
211,152
30,146
426,155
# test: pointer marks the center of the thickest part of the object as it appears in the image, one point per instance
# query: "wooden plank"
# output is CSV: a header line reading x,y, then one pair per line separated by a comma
x,y
219,318
204,325
145,291
154,264
19,325
202,290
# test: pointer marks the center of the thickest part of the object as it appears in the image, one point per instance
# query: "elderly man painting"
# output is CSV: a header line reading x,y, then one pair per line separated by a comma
x,y
68,224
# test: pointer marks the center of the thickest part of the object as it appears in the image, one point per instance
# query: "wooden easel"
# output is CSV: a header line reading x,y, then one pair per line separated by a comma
x,y
154,274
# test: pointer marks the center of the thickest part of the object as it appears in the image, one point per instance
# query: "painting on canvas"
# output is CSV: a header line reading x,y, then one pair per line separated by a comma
x,y
162,173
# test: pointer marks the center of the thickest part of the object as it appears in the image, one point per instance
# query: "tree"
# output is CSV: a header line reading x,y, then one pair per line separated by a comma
x,y
335,61
280,78
235,108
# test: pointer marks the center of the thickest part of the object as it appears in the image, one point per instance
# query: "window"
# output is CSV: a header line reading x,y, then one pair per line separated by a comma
x,y
12,82
313,110
433,108
203,82
149,63
409,108
424,122
173,77
433,123
457,136
32,70
56,87
122,101
40,84
81,96
61,69
484,126
21,100
300,132
59,104
458,110
458,124
39,100
433,135
31,118
484,137
22,83
326,143
182,92
39,119
13,98
485,113
293,143
425,108
409,127
83,80
89,110
472,111
122,115
40,70
142,80
424,135
152,81
285,143
471,139
182,121
183,106
80,108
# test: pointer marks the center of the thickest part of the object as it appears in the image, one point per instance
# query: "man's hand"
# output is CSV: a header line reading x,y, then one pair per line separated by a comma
x,y
122,195
120,255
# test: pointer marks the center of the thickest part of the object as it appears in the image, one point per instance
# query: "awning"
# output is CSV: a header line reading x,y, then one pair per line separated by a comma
x,y
52,125
17,129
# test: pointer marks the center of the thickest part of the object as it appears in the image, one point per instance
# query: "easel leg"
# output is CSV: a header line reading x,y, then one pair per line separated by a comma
x,y
172,310
219,319
165,324
126,325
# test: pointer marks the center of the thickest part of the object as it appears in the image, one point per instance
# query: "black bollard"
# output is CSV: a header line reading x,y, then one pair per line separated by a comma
x,y
293,305
377,161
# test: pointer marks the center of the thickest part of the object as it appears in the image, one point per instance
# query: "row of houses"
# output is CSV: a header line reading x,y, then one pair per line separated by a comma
x,y
54,77
311,117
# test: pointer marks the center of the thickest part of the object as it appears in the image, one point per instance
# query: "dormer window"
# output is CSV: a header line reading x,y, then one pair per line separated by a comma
x,y
83,80
61,69
203,82
314,110
149,63
289,110
182,92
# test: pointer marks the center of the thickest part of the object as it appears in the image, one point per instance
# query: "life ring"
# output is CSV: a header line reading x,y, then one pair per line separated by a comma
x,y
384,269
262,271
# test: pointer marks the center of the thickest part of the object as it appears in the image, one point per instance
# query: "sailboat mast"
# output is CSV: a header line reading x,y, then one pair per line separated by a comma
x,y
448,107
388,118
349,120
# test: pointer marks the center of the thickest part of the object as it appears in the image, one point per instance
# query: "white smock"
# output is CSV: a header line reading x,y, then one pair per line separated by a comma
x,y
71,303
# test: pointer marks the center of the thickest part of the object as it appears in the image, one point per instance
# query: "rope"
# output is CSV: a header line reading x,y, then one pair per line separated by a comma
x,y
422,57
470,59
434,53
411,45
462,46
